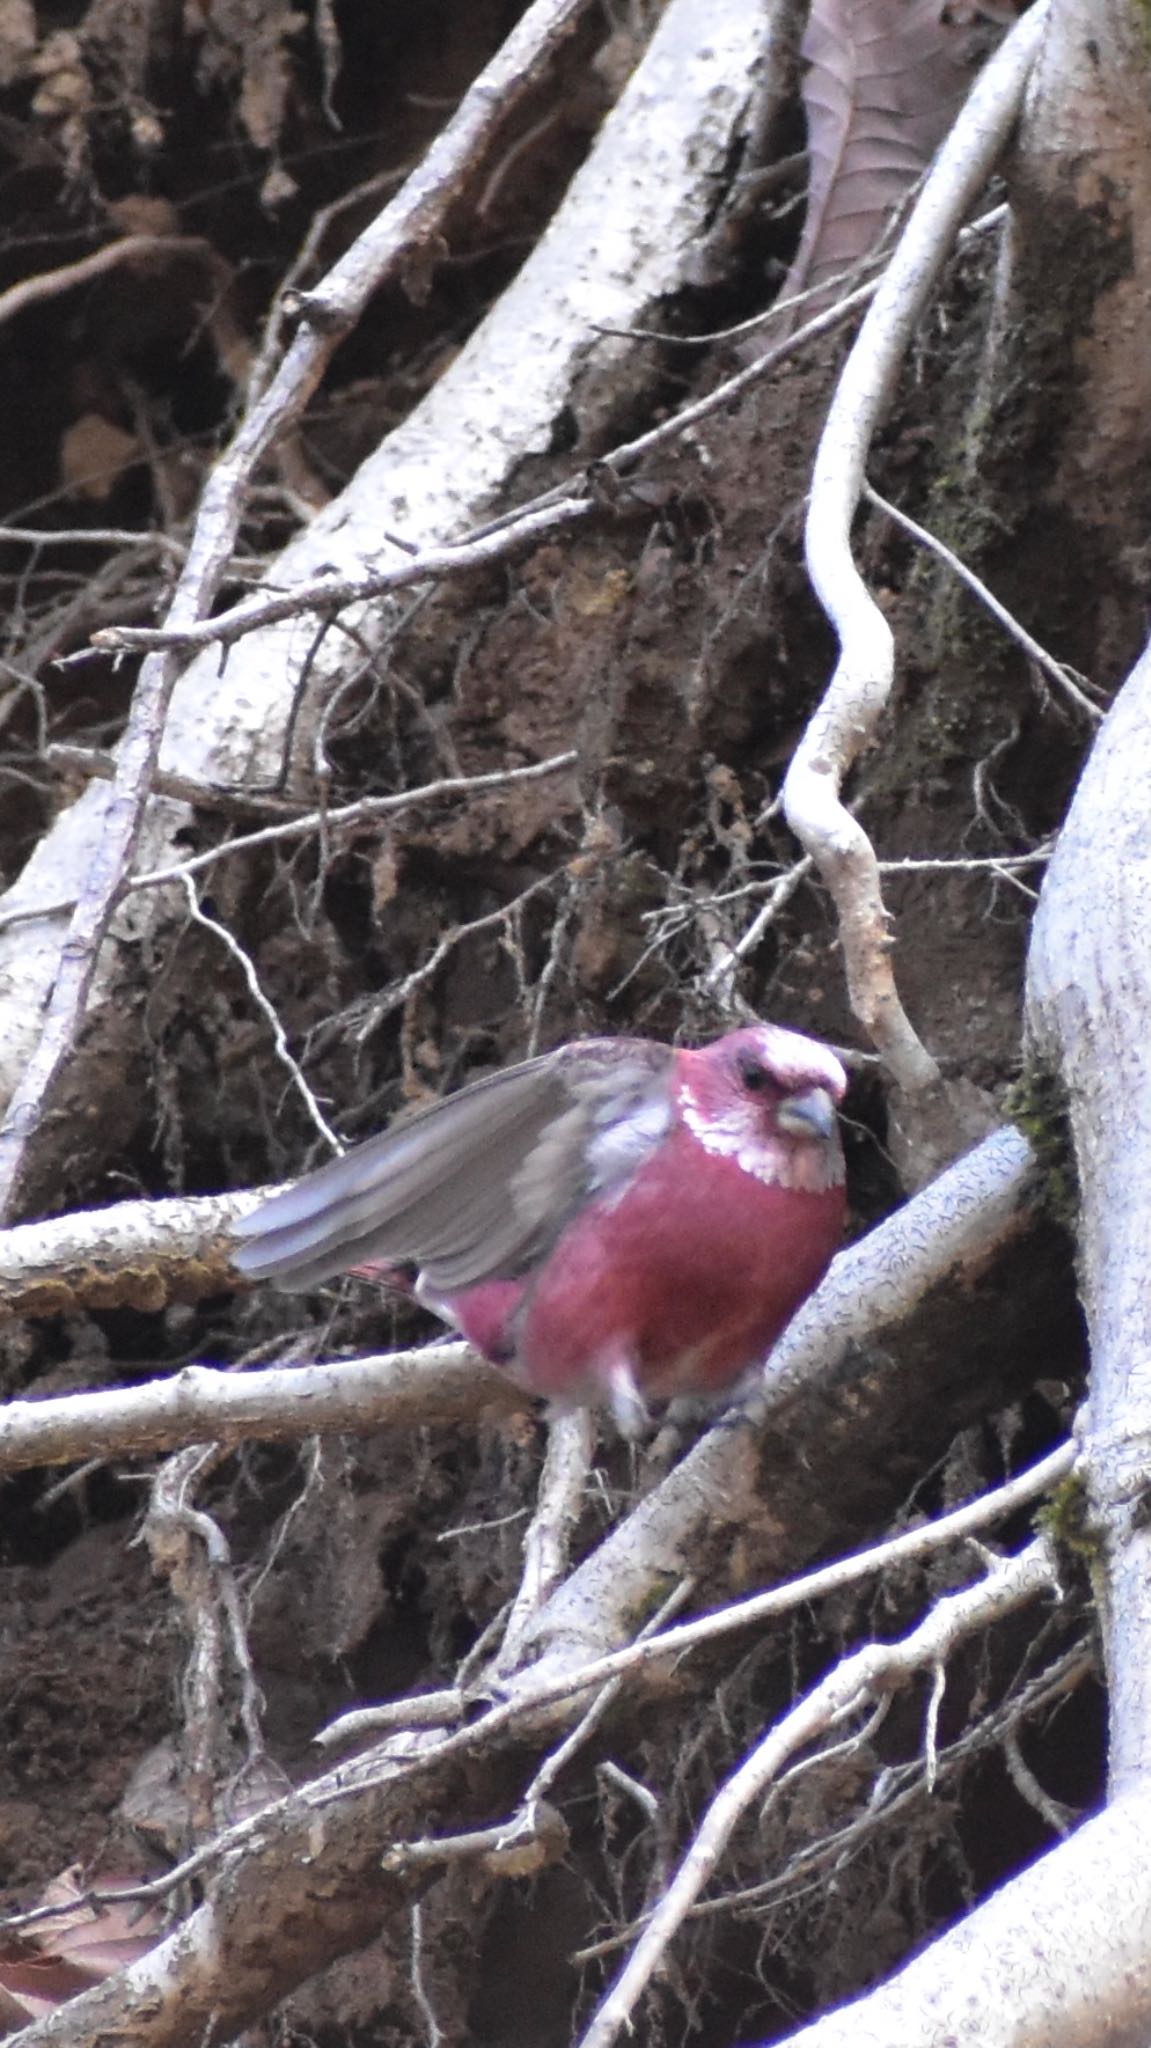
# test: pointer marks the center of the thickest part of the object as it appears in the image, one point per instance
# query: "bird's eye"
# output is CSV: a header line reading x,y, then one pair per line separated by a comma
x,y
753,1075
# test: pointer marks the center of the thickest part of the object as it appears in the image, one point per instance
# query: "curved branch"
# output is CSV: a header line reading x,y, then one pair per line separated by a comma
x,y
845,720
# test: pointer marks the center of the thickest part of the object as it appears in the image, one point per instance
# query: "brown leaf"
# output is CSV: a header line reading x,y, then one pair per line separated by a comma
x,y
94,453
86,1943
885,82
31,1986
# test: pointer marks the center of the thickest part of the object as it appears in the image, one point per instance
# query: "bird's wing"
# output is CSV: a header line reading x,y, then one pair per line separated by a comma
x,y
481,1183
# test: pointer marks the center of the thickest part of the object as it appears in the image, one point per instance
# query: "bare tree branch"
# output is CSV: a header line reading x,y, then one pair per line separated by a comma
x,y
133,1254
853,1684
861,685
559,1503
331,593
437,1383
145,1253
195,1972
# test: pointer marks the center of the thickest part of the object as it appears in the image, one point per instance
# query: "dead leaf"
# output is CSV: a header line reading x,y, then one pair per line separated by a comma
x,y
886,79
94,453
66,1955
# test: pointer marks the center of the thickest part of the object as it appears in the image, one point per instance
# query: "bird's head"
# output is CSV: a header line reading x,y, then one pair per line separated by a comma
x,y
767,1098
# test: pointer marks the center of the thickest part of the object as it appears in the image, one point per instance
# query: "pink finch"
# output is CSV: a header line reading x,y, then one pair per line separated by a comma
x,y
616,1220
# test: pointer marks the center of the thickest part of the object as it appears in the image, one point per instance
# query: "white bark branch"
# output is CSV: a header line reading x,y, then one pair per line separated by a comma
x,y
622,237
444,1383
1089,998
142,1254
851,1685
559,1504
300,1882
846,719
131,1255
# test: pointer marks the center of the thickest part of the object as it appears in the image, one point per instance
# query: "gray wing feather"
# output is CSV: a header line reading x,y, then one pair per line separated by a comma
x,y
478,1185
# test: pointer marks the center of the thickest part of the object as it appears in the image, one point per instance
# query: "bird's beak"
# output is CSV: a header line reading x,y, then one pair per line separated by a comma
x,y
810,1115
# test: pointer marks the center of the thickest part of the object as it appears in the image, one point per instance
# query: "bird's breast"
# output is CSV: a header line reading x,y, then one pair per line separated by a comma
x,y
688,1272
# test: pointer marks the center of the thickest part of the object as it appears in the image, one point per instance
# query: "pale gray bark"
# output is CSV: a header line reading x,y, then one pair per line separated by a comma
x,y
1089,1002
1060,1958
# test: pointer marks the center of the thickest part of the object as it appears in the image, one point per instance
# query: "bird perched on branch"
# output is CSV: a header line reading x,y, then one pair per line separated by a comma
x,y
614,1221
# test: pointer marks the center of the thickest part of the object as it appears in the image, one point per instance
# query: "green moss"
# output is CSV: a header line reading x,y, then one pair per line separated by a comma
x,y
646,1608
1141,15
1037,1104
1066,1520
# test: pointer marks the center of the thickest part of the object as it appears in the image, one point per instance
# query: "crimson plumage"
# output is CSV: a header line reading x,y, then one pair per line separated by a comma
x,y
616,1220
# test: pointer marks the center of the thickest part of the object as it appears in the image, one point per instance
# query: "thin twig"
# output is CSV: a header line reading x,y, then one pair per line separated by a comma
x,y
856,1681
139,249
1064,678
344,817
434,2031
329,594
94,536
97,766
268,1010
443,1709
1059,1817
